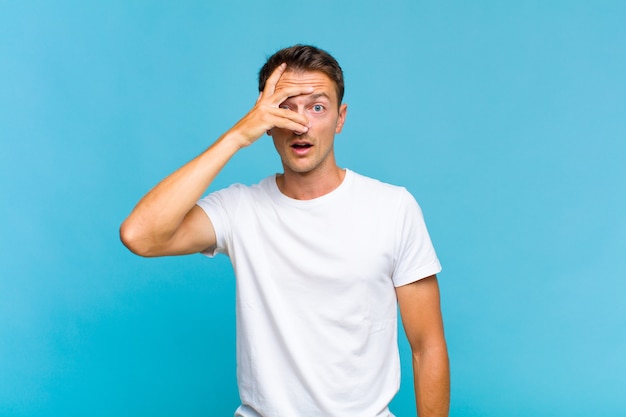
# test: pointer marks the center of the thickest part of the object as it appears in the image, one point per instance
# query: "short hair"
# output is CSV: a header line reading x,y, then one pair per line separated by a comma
x,y
304,58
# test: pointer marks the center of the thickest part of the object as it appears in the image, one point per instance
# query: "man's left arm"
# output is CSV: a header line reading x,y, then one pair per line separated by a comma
x,y
421,316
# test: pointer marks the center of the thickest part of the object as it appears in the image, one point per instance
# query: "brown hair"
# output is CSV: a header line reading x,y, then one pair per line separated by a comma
x,y
304,58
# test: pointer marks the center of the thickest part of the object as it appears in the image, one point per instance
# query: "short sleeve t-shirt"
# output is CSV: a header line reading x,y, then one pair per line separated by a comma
x,y
316,302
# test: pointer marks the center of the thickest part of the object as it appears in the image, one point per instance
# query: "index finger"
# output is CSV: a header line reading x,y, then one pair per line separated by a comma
x,y
270,84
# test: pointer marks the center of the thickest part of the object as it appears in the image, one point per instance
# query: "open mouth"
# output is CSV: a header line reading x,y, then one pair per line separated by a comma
x,y
301,145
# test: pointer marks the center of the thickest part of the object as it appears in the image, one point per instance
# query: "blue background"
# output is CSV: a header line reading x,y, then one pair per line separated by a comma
x,y
506,120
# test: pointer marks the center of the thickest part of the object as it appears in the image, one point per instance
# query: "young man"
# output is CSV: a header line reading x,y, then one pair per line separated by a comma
x,y
323,256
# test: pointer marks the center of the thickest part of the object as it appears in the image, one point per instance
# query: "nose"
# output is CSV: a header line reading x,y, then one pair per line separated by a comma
x,y
301,112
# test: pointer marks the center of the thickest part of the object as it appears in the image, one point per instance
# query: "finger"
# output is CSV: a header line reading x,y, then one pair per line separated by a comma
x,y
291,125
288,119
270,84
283,94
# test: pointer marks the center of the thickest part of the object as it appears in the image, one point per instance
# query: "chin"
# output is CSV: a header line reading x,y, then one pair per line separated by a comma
x,y
297,169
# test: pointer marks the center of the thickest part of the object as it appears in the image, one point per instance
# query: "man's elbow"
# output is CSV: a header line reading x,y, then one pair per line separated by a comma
x,y
435,347
133,238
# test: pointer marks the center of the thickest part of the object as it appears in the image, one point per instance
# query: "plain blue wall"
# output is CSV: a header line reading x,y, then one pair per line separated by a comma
x,y
506,120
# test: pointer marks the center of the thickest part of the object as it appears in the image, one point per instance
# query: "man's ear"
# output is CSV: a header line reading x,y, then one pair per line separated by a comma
x,y
343,111
269,132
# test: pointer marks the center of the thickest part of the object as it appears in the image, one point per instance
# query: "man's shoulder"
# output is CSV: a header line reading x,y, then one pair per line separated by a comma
x,y
238,192
263,185
372,192
375,185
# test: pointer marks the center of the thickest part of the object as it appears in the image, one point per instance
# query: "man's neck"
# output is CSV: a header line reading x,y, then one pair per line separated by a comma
x,y
310,185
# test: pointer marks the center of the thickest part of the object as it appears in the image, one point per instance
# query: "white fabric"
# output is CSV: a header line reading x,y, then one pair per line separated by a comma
x,y
316,305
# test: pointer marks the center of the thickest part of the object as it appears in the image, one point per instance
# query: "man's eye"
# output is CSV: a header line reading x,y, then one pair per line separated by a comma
x,y
318,108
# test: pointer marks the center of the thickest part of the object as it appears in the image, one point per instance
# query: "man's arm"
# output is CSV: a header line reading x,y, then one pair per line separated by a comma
x,y
166,221
423,324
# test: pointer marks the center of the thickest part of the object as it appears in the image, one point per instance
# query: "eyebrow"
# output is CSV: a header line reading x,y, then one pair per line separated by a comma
x,y
318,95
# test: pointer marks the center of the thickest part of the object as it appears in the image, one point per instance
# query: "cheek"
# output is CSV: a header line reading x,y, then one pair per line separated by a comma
x,y
278,143
277,133
322,122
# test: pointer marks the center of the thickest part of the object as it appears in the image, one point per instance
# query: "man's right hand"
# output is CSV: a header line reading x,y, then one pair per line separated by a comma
x,y
267,114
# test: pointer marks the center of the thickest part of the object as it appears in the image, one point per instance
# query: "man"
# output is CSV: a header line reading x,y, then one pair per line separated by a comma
x,y
323,256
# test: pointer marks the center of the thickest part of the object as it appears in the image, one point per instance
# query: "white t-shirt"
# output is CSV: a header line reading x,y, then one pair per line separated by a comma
x,y
316,304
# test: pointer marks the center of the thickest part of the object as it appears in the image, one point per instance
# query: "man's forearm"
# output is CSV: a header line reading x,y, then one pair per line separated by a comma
x,y
431,372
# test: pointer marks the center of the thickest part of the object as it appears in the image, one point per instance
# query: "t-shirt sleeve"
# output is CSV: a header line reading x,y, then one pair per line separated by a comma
x,y
219,206
415,256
